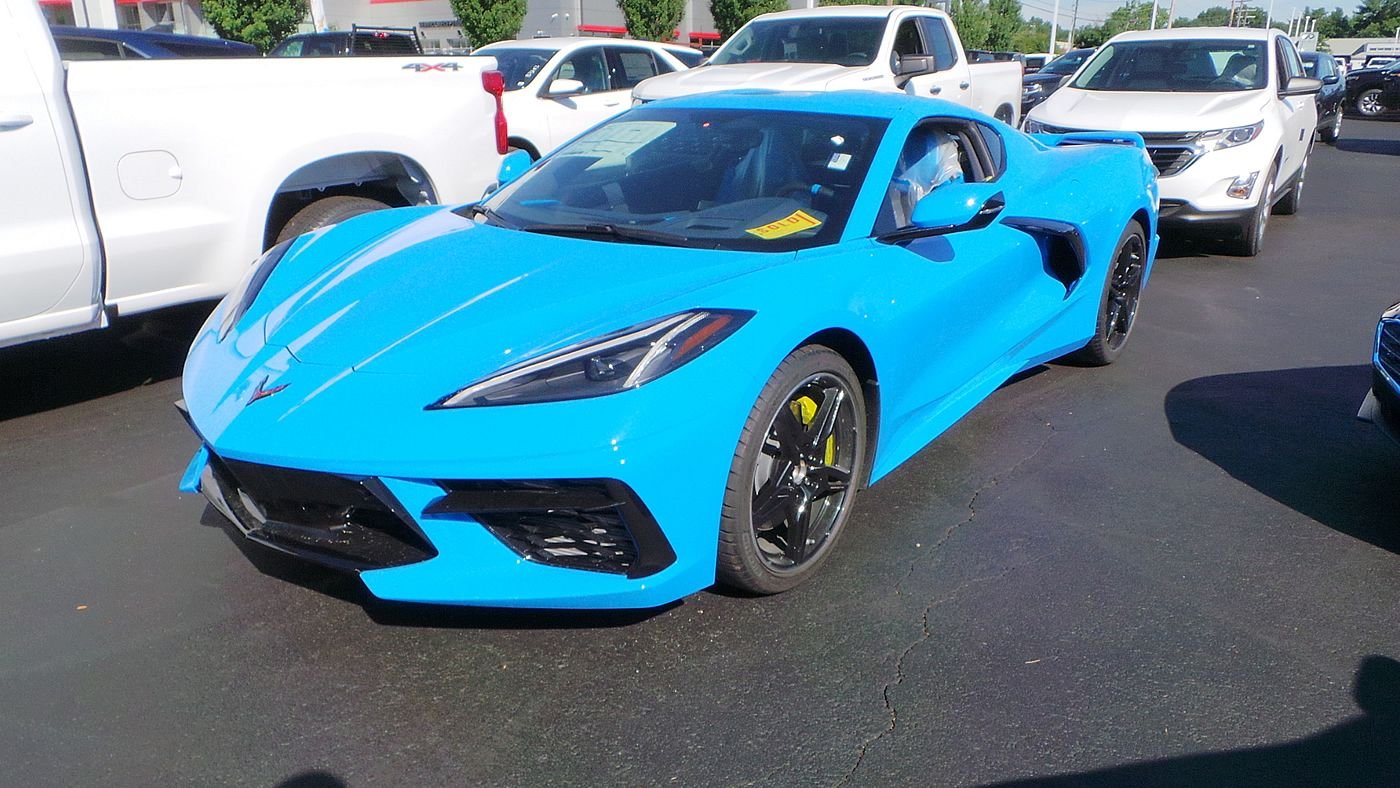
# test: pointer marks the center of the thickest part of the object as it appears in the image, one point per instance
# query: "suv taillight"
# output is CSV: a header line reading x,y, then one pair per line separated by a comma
x,y
494,82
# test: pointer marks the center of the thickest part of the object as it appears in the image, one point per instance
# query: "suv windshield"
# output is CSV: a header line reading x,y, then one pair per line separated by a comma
x,y
846,41
706,178
1193,66
1066,63
519,66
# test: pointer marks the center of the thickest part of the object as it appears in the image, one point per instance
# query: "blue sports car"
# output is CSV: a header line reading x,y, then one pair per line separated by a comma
x,y
668,354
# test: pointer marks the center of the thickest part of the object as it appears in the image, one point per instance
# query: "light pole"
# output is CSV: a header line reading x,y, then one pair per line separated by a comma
x,y
1054,27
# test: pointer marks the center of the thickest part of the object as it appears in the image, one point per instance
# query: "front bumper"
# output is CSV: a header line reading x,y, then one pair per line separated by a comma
x,y
1182,215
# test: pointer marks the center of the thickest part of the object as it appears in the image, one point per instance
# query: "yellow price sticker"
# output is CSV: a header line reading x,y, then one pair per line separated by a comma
x,y
796,222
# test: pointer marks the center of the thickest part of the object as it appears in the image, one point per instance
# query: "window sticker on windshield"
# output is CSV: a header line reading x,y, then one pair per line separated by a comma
x,y
795,222
839,162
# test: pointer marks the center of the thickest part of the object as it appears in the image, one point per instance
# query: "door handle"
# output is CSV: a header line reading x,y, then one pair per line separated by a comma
x,y
612,103
964,86
935,90
10,122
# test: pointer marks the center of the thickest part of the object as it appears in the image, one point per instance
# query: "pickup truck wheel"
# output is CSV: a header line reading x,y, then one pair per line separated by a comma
x,y
1369,103
330,210
1004,114
1252,231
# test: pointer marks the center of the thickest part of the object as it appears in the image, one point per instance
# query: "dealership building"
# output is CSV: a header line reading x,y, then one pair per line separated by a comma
x,y
436,24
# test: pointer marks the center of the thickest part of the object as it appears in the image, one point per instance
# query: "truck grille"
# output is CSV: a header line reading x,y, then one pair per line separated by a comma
x,y
1388,349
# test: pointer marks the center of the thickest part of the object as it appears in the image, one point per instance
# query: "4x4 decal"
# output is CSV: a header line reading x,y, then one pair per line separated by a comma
x,y
421,67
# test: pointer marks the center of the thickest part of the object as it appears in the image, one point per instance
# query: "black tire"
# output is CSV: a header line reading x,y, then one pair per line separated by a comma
x,y
1368,103
1330,134
329,210
1288,204
1251,239
1005,114
1118,306
794,474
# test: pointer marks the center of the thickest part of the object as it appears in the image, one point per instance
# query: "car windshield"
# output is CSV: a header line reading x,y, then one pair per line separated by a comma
x,y
1066,64
846,41
1193,66
518,65
706,178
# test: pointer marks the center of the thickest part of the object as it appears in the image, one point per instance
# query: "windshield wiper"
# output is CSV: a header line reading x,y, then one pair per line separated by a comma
x,y
621,233
492,218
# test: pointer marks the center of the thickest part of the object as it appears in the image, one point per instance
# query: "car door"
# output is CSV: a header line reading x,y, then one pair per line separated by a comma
x,y
46,257
568,116
971,299
929,36
1298,113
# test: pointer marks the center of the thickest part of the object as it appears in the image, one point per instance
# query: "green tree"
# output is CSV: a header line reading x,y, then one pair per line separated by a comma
x,y
261,23
1005,22
839,2
652,20
488,21
1215,16
1376,18
1034,36
730,15
1133,15
973,20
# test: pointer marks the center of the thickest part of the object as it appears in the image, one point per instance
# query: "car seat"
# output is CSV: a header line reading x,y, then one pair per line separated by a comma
x,y
927,162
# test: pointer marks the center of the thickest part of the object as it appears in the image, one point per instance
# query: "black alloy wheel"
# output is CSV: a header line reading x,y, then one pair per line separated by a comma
x,y
795,473
1118,306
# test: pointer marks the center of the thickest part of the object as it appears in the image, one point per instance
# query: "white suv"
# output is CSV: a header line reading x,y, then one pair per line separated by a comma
x,y
1227,114
558,88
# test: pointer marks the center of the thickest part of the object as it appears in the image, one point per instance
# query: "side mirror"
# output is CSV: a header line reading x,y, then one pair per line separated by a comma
x,y
1331,79
1301,86
913,65
563,88
954,207
513,166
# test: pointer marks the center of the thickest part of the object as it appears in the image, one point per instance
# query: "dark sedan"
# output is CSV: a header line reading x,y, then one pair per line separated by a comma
x,y
1037,87
91,43
1331,99
1374,91
1382,405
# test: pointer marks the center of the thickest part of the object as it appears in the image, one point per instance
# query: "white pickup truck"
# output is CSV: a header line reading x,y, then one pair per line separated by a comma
x,y
127,186
907,49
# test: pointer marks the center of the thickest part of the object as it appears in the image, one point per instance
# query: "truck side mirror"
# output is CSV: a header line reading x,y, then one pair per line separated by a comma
x,y
913,65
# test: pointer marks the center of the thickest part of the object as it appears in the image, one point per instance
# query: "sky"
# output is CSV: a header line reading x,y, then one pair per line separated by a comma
x,y
1094,11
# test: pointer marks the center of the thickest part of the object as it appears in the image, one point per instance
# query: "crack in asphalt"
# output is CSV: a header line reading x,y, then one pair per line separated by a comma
x,y
925,634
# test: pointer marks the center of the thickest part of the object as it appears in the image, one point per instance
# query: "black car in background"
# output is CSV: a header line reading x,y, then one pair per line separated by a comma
x,y
92,43
1382,404
358,41
1037,87
1374,91
1331,100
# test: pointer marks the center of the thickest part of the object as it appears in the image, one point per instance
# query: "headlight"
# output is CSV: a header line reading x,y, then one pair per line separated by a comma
x,y
243,294
1033,126
606,365
1032,89
1228,138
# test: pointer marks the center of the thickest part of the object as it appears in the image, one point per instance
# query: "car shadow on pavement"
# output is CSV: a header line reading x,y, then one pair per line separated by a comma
x,y
346,587
1363,751
1292,434
50,374
1360,145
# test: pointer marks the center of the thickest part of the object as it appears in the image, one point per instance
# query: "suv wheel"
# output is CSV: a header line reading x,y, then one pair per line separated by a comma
x,y
1252,230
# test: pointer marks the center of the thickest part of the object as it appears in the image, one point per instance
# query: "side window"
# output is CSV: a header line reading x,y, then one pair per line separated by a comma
x,y
88,49
994,149
945,55
934,154
907,40
1289,64
586,66
627,66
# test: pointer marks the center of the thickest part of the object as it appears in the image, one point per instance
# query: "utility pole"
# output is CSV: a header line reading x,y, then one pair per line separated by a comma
x,y
1054,28
1171,14
1074,25
1153,24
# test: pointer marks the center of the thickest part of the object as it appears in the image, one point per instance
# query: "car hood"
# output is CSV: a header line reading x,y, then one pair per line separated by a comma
x,y
1047,81
442,290
768,76
1150,111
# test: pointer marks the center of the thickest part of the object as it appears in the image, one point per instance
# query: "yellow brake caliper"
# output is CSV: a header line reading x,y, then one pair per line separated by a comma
x,y
805,409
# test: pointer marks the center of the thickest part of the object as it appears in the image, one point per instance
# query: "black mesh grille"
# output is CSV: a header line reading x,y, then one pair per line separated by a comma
x,y
1169,160
1388,353
593,524
334,520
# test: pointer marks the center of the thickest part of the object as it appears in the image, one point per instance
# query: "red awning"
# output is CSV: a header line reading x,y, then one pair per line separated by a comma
x,y
604,29
698,36
56,2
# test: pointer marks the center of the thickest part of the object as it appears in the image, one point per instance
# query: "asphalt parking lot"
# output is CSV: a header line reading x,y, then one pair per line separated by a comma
x,y
1183,569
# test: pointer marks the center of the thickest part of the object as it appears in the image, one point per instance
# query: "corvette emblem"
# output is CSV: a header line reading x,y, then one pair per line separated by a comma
x,y
262,393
